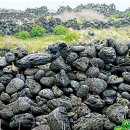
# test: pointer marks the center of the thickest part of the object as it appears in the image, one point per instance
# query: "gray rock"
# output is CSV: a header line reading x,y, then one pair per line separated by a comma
x,y
26,92
109,96
4,97
57,92
75,85
20,76
67,90
107,54
121,49
81,76
109,125
2,87
92,72
47,81
42,119
2,105
21,105
53,48
30,71
33,86
58,64
89,51
46,93
20,52
3,62
81,63
103,76
88,122
126,76
25,120
96,85
113,79
97,62
125,95
124,87
82,91
39,74
116,113
95,102
42,127
14,85
78,48
34,59
9,57
71,57
62,79
58,119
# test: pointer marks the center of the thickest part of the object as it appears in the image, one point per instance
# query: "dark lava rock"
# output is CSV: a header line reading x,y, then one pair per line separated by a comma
x,y
62,79
39,74
14,85
33,86
34,59
58,119
113,79
109,96
9,57
81,63
92,72
20,52
96,85
124,87
116,113
107,54
126,76
3,62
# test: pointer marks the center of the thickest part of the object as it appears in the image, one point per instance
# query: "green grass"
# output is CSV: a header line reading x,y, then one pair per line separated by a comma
x,y
40,43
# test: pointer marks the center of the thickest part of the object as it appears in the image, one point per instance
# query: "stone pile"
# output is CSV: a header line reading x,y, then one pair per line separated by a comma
x,y
79,87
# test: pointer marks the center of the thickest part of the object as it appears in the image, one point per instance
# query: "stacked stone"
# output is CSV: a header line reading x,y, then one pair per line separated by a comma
x,y
80,87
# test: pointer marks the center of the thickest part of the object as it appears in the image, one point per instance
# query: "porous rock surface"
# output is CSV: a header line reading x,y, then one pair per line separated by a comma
x,y
65,88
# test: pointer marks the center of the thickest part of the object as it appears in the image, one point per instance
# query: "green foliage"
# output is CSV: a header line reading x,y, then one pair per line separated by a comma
x,y
38,31
60,30
71,36
79,23
23,35
114,17
127,14
125,125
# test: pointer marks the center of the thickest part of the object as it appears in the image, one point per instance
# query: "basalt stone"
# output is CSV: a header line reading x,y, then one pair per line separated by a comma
x,y
20,76
42,119
30,71
113,79
81,76
121,49
92,72
21,105
78,48
71,57
46,93
5,97
103,76
107,54
97,62
116,113
39,74
125,95
81,63
82,91
47,81
33,86
57,92
2,62
75,85
67,90
9,57
126,76
109,96
42,127
53,48
58,64
25,120
34,59
62,79
57,118
100,44
95,102
96,85
14,85
89,51
124,87
2,87
26,92
20,52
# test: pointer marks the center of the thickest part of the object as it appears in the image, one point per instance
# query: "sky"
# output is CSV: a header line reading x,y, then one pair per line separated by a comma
x,y
54,4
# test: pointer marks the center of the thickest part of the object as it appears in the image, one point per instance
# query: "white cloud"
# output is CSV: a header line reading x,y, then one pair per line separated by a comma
x,y
52,4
